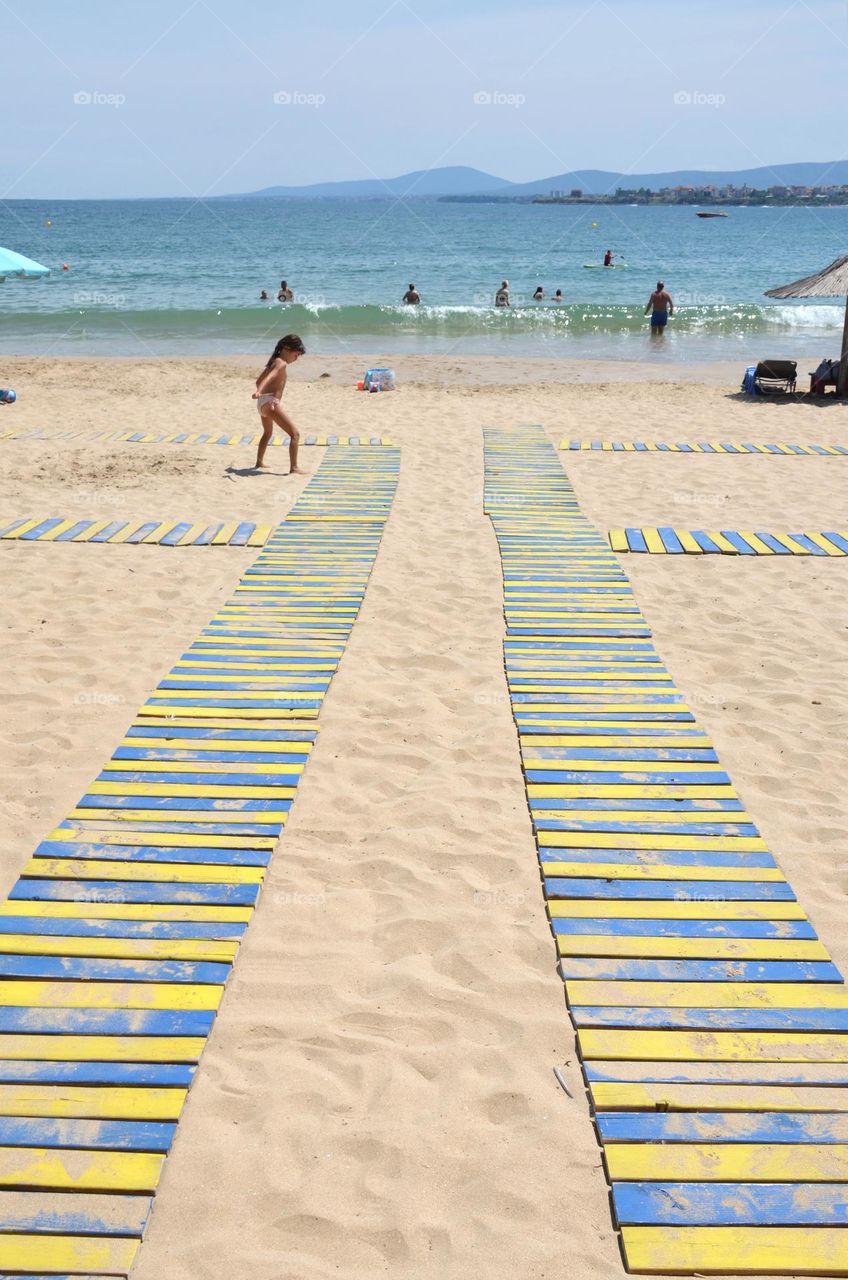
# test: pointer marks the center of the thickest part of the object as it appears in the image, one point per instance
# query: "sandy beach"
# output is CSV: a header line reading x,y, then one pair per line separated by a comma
x,y
378,1096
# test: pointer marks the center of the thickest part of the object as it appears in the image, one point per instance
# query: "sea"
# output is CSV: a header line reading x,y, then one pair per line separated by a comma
x,y
183,277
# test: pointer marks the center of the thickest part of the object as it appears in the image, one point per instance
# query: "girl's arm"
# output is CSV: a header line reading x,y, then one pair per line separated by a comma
x,y
265,379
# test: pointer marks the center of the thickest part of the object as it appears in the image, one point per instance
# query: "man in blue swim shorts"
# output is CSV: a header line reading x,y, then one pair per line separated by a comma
x,y
661,306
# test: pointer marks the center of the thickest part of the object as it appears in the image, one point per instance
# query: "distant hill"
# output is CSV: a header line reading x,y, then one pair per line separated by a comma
x,y
455,180
601,182
459,180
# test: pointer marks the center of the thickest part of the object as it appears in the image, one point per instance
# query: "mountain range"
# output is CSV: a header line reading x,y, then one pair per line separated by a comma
x,y
459,180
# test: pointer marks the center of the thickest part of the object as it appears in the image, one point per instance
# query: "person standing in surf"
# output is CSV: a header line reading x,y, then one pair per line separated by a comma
x,y
412,297
661,306
502,295
270,386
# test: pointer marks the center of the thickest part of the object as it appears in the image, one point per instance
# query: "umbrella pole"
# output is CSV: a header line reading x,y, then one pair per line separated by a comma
x,y
842,377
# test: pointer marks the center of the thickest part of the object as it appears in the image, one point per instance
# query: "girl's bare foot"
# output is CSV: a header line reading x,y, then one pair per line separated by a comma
x,y
298,471
259,466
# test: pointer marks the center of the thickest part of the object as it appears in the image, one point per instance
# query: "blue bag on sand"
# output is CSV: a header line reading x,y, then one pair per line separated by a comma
x,y
748,380
7,396
383,378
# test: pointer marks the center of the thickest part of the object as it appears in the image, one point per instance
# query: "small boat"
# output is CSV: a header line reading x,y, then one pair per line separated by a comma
x,y
705,214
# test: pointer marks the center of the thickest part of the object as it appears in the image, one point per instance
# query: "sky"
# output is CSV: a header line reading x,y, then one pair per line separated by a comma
x,y
209,97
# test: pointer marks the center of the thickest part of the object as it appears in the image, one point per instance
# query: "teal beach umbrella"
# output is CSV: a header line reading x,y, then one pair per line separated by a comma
x,y
14,266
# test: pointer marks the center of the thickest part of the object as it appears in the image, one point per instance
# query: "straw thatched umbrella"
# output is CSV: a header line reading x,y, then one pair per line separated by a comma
x,y
832,282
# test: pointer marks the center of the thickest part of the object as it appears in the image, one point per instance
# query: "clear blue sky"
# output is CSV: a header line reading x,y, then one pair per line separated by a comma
x,y
395,82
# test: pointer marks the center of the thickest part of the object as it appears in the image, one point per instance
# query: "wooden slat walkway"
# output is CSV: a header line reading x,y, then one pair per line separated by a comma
x,y
707,446
664,540
136,532
243,438
118,939
710,1020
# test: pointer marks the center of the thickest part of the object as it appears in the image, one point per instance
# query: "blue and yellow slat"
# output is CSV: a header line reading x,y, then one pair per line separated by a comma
x,y
163,533
710,1020
668,541
704,447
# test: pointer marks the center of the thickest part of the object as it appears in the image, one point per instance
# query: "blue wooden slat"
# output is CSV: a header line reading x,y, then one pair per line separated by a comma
x,y
230,735
698,777
636,540
109,531
151,853
705,543
184,754
670,541
172,538
79,527
810,1020
41,1020
239,895
161,778
153,1074
736,540
730,1203
194,803
671,890
241,535
659,804
610,970
808,543
44,527
68,968
37,1213
837,540
777,547
71,927
639,928
653,857
111,1135
142,531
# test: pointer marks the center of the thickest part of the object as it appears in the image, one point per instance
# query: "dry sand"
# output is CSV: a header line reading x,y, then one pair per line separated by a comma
x,y
378,1095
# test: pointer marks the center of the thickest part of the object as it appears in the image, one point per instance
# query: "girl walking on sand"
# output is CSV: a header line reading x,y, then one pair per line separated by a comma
x,y
270,386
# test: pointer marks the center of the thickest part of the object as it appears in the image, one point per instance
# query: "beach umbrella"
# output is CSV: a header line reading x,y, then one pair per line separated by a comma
x,y
832,282
14,266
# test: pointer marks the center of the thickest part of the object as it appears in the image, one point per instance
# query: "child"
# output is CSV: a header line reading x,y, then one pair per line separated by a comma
x,y
269,388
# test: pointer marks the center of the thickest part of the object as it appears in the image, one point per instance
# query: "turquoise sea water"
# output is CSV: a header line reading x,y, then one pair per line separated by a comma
x,y
179,277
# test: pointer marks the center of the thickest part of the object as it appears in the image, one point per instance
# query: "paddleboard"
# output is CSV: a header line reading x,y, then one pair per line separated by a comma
x,y
599,266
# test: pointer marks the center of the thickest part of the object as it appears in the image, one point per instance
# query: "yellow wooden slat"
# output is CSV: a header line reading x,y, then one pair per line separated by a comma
x,y
101,1048
714,1046
707,995
643,840
260,535
72,1102
727,1162
726,547
660,871
71,1170
681,910
670,1096
129,911
671,948
88,994
804,1251
161,872
225,533
95,1256
20,944
618,540
761,548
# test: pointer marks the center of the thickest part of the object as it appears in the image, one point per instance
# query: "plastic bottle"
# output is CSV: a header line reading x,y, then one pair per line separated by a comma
x,y
7,396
